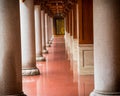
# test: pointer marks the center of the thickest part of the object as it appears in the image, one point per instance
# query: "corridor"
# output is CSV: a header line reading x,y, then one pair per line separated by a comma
x,y
56,78
36,60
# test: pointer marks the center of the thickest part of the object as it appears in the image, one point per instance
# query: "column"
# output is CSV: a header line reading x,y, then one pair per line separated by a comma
x,y
107,47
28,38
51,31
10,49
45,51
47,30
38,33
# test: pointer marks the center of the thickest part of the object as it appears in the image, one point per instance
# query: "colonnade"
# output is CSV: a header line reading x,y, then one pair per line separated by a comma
x,y
23,41
26,29
95,53
79,34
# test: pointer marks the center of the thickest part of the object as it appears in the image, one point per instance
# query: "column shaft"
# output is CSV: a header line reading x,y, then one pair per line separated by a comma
x,y
107,47
28,38
38,33
52,30
10,49
47,30
43,32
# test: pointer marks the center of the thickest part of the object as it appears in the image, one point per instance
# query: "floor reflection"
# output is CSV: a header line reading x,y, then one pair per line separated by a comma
x,y
56,79
85,85
29,85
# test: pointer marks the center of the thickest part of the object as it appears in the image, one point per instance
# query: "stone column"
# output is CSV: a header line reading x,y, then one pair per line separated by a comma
x,y
51,30
10,49
45,51
47,30
38,34
28,38
107,47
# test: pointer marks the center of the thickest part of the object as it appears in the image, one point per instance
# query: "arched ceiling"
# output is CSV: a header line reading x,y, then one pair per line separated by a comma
x,y
56,7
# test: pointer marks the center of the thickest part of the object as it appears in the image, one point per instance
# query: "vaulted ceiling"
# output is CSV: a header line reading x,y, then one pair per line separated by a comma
x,y
56,7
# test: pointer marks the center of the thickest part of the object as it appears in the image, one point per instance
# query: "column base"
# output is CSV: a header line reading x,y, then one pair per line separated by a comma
x,y
50,42
45,51
19,94
97,93
40,58
30,72
52,38
48,45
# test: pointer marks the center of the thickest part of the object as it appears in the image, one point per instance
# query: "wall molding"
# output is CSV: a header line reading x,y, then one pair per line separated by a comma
x,y
86,61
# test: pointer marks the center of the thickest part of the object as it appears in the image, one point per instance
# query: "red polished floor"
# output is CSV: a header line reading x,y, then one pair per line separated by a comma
x,y
56,79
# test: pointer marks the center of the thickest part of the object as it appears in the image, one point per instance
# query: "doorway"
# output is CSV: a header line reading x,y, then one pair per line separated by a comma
x,y
59,26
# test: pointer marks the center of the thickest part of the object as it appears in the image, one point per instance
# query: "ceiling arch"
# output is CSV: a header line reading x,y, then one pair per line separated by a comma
x,y
56,7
